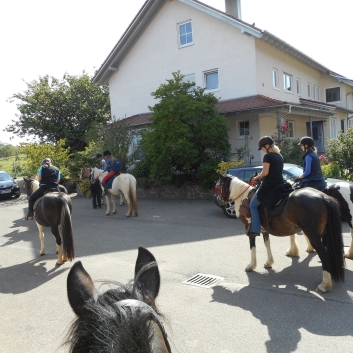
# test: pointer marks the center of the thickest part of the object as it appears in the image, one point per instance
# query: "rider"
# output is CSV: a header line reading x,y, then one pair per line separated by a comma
x,y
273,186
113,167
312,173
101,161
48,177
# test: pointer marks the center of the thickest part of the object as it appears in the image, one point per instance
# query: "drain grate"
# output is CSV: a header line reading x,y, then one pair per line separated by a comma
x,y
202,280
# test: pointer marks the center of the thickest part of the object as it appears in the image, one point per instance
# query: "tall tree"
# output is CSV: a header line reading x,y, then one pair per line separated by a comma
x,y
52,109
187,133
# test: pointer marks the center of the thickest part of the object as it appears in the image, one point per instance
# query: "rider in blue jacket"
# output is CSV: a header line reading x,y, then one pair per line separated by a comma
x,y
312,173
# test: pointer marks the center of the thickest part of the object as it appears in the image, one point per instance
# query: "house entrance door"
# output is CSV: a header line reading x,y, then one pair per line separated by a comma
x,y
317,135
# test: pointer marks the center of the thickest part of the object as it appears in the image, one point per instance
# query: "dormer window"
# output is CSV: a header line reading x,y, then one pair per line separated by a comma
x,y
185,34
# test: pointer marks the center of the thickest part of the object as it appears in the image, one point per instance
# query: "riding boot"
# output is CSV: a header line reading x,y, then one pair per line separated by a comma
x,y
105,188
30,210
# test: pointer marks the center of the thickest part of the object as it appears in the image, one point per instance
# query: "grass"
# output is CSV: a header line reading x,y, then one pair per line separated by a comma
x,y
7,164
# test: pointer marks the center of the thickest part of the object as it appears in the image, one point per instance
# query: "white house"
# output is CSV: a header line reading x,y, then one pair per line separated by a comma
x,y
262,81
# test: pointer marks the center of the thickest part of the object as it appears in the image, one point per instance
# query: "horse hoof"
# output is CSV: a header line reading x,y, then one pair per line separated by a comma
x,y
59,263
249,269
348,256
42,253
136,214
267,266
107,214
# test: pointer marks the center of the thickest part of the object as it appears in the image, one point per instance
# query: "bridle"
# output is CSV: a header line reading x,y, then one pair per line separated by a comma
x,y
93,180
137,304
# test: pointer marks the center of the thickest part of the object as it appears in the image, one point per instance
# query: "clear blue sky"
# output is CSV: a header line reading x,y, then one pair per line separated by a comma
x,y
41,37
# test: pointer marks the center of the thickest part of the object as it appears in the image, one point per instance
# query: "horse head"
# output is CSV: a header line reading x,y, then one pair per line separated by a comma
x,y
85,173
30,185
118,318
225,181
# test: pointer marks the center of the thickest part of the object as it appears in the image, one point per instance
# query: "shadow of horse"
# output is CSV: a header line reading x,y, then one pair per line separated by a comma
x,y
285,307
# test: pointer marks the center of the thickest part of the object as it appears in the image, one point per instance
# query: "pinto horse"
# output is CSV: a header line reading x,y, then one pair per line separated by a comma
x,y
309,210
54,210
122,184
120,320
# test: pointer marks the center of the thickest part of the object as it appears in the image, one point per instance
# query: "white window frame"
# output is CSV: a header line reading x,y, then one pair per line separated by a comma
x,y
242,136
192,79
285,81
298,86
333,128
339,101
275,78
309,90
205,74
291,128
314,92
179,34
318,93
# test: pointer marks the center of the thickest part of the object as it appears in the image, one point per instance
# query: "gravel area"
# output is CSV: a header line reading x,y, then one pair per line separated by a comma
x,y
6,202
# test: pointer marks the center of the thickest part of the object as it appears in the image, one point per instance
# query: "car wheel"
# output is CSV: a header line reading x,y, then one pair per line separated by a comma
x,y
229,210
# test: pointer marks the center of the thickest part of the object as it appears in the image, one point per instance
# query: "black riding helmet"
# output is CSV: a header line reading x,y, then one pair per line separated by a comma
x,y
266,140
306,140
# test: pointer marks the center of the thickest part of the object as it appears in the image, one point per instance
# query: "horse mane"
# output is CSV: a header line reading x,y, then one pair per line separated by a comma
x,y
108,327
239,190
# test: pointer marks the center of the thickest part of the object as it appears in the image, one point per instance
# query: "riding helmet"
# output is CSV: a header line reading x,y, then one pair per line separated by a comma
x,y
46,160
266,140
106,153
307,140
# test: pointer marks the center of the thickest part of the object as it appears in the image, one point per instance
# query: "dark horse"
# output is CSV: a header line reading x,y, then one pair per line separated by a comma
x,y
123,319
54,210
309,210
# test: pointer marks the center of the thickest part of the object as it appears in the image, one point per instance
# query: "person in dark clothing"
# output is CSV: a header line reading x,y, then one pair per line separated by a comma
x,y
312,173
96,192
48,177
113,167
273,186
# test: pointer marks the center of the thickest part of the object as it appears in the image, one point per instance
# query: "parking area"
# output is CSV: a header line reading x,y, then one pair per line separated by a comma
x,y
278,308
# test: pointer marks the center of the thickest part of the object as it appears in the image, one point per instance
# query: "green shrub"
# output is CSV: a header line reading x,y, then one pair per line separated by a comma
x,y
84,186
141,170
223,166
330,170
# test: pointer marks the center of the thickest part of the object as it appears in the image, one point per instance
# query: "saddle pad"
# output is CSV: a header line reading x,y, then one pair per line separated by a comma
x,y
36,202
277,210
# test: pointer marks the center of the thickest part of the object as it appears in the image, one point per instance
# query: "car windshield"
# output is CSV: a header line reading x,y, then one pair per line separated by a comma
x,y
5,176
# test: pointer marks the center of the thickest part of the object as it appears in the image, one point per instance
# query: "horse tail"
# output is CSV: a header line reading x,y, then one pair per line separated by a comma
x,y
66,228
133,196
333,239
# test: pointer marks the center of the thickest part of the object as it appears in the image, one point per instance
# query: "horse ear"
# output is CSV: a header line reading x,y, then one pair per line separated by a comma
x,y
147,273
25,178
80,288
220,175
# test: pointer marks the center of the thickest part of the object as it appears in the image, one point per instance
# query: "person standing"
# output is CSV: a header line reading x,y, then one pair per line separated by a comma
x,y
96,192
101,161
312,174
49,178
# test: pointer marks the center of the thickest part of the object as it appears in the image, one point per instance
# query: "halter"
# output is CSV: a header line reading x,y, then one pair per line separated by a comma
x,y
93,180
126,303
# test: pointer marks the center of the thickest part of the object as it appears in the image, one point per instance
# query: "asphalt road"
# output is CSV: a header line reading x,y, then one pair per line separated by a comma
x,y
275,310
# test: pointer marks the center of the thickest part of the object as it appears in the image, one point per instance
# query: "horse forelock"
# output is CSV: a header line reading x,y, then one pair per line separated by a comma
x,y
239,190
109,327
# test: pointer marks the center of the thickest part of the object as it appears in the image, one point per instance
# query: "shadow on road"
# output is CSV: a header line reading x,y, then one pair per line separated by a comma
x,y
299,306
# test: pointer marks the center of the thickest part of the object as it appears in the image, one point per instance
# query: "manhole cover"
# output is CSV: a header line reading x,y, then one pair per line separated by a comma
x,y
202,280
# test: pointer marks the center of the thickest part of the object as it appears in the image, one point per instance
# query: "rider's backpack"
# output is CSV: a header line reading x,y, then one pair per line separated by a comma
x,y
116,166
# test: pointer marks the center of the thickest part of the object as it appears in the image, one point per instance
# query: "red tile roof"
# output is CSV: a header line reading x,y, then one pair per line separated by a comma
x,y
247,103
227,106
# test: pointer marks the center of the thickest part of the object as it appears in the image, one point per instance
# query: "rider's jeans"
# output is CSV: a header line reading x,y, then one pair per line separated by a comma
x,y
255,214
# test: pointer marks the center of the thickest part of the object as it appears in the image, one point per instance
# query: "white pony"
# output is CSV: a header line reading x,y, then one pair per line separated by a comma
x,y
123,184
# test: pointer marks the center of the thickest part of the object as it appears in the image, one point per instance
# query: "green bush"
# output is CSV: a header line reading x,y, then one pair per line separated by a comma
x,y
223,166
84,186
141,170
207,175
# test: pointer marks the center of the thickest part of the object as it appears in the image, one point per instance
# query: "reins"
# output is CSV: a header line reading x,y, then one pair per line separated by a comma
x,y
232,200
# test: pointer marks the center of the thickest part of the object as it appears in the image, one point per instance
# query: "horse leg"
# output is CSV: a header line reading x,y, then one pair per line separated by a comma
x,y
309,247
349,253
326,284
252,265
115,210
270,261
41,237
293,249
129,206
108,204
122,199
56,233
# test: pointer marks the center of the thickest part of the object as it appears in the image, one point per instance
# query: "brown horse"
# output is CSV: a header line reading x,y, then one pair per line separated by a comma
x,y
122,319
309,210
54,210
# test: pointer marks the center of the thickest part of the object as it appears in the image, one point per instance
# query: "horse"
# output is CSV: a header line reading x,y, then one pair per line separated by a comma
x,y
54,210
343,193
307,209
122,184
123,319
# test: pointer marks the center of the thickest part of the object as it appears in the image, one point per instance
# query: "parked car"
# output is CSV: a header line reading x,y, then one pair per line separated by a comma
x,y
8,185
290,173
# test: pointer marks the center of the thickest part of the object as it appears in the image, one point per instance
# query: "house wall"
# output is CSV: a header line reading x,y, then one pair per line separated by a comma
x,y
154,57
